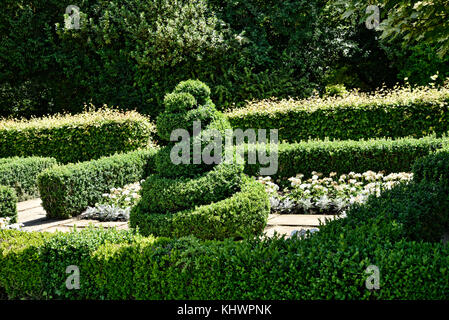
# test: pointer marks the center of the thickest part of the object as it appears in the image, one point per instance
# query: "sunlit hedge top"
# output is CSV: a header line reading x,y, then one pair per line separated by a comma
x,y
95,118
399,96
72,138
398,112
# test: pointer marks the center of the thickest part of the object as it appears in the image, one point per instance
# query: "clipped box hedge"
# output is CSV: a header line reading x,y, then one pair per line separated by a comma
x,y
21,174
8,203
345,156
242,215
434,167
397,113
73,138
69,189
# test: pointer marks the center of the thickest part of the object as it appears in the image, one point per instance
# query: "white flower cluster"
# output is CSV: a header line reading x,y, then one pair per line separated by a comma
x,y
116,205
332,194
5,224
124,197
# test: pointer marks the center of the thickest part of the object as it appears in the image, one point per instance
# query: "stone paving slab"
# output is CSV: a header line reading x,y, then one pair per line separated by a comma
x,y
29,204
283,230
298,219
33,216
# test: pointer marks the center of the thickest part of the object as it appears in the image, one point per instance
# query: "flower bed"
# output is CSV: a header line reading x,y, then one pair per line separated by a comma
x,y
329,195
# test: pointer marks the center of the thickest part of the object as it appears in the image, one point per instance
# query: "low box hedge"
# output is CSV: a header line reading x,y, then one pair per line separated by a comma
x,y
434,167
8,203
345,156
398,113
69,189
21,174
242,215
73,138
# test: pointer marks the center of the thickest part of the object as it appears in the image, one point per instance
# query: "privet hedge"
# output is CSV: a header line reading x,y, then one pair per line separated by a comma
x,y
398,113
8,203
81,137
69,189
21,174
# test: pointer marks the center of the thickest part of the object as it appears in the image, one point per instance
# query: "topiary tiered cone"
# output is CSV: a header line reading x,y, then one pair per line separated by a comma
x,y
209,201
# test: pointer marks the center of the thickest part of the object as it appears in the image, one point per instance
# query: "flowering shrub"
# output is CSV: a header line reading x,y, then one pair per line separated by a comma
x,y
123,197
116,205
330,195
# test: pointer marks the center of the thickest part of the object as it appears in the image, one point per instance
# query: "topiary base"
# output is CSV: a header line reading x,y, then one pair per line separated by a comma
x,y
242,215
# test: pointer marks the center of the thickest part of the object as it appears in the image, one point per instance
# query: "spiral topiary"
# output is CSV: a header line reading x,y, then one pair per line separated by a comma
x,y
209,201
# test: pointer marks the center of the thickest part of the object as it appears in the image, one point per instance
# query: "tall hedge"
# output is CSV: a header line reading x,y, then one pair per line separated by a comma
x,y
130,53
69,189
396,113
72,138
21,174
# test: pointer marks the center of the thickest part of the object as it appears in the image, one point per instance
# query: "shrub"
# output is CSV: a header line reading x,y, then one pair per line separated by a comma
x,y
330,264
420,211
68,190
269,54
8,203
75,249
397,113
242,215
21,174
346,156
81,137
181,101
434,167
20,263
196,88
160,194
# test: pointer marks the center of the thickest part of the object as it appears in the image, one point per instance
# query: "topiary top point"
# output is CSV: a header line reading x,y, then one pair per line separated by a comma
x,y
196,88
179,102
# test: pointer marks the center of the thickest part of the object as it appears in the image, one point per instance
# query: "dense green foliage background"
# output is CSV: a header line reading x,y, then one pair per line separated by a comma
x,y
130,53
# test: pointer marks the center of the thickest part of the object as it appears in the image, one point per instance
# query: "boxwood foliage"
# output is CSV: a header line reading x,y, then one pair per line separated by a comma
x,y
434,167
20,263
72,138
208,200
69,189
391,232
21,174
344,156
398,113
242,215
160,194
8,203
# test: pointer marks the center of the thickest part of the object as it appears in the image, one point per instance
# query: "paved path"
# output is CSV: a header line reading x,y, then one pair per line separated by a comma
x,y
32,215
